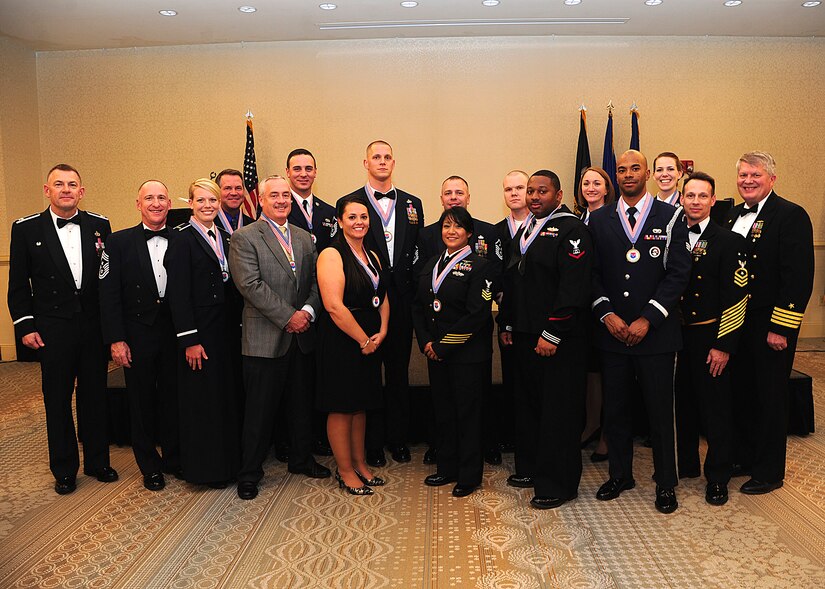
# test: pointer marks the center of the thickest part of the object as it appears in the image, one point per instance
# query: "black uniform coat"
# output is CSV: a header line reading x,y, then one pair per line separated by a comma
x,y
324,223
649,288
42,297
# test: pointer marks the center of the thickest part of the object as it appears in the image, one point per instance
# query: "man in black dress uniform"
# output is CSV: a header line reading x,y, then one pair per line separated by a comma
x,y
395,220
713,310
309,212
780,254
137,326
53,301
455,192
544,313
231,216
642,268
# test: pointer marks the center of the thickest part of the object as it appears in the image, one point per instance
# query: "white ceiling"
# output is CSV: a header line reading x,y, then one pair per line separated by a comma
x,y
93,24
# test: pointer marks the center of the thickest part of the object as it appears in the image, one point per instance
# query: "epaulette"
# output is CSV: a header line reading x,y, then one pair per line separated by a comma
x,y
29,218
98,216
182,226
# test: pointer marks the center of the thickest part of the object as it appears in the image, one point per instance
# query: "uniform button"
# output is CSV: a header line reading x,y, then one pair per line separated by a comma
x,y
138,300
753,277
214,296
698,278
158,301
626,294
55,306
693,312
696,294
627,276
138,286
54,292
681,298
754,256
52,277
749,296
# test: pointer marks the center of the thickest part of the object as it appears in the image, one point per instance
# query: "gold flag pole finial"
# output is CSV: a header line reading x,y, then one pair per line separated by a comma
x,y
249,115
610,107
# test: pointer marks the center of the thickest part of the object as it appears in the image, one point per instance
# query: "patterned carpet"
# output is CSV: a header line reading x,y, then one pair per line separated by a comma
x,y
306,533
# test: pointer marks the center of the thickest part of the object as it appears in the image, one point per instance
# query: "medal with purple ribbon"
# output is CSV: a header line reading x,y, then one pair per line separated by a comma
x,y
524,244
386,216
216,245
438,277
633,255
370,271
227,225
284,240
306,215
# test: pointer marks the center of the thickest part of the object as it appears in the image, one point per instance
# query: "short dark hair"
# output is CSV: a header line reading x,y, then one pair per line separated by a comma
x,y
228,172
467,184
349,199
704,178
300,151
554,178
460,216
64,168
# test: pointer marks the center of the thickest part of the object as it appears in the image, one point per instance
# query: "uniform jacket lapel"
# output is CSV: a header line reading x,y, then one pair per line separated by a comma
x,y
400,226
142,253
53,243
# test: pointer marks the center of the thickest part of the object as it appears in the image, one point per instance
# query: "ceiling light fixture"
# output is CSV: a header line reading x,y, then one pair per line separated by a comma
x,y
409,4
653,2
811,4
572,2
730,3
490,2
337,26
247,9
168,12
327,6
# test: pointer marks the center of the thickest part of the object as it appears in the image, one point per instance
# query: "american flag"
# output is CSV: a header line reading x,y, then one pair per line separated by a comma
x,y
250,172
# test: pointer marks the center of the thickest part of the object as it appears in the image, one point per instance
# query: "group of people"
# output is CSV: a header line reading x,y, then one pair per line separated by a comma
x,y
226,323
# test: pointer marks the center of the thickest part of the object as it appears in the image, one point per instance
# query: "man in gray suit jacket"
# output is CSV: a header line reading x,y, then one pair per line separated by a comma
x,y
273,265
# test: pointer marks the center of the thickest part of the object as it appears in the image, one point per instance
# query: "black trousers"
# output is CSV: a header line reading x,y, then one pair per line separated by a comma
x,y
457,391
760,399
501,410
152,387
74,349
549,411
391,424
702,400
266,381
654,374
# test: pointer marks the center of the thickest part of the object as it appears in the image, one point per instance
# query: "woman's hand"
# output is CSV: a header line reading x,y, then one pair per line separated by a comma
x,y
370,347
430,353
194,355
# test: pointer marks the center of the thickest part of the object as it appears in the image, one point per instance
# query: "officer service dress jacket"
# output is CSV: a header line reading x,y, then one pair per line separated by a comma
x,y
650,287
324,223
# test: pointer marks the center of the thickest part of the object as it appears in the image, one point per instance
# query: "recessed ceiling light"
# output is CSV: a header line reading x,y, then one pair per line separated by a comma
x,y
327,6
572,2
653,2
168,12
811,4
409,4
490,2
247,9
733,2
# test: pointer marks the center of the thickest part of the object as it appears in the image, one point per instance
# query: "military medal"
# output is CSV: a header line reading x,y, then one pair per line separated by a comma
x,y
376,301
314,239
387,235
225,276
285,239
438,277
370,271
386,216
633,255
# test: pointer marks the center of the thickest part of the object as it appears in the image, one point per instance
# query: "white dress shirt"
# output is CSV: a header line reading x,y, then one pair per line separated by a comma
x,y
69,236
157,251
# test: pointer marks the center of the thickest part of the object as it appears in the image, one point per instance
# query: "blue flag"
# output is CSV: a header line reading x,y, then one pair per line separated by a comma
x,y
634,129
609,156
582,155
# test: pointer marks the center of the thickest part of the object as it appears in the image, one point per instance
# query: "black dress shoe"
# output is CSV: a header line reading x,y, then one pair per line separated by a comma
x,y
315,471
754,487
613,488
437,480
739,470
321,448
463,490
519,481
598,457
492,456
176,472
666,499
282,452
431,456
547,502
247,490
400,453
154,481
716,493
376,458
105,474
373,482
65,485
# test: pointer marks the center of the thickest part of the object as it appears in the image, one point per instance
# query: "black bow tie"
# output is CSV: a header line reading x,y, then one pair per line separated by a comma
x,y
61,223
747,211
164,233
390,195
695,229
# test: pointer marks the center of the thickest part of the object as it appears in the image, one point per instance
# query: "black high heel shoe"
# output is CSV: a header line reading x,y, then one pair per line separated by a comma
x,y
364,490
373,482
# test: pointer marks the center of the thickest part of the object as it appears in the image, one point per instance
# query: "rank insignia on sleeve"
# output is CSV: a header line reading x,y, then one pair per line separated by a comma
x,y
740,275
487,294
104,266
499,252
577,252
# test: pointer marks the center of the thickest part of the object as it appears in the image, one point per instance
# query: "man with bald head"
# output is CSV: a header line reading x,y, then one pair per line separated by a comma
x,y
137,327
641,270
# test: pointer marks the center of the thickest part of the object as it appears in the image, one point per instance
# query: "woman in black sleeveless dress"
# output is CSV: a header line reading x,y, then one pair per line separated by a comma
x,y
350,332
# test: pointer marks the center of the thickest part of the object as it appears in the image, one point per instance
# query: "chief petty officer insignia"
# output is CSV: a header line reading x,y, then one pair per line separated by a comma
x,y
740,275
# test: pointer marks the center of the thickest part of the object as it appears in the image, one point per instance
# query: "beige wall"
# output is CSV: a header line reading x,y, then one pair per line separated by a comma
x,y
20,163
474,107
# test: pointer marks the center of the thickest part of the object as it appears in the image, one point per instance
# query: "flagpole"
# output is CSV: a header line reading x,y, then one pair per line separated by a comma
x,y
250,169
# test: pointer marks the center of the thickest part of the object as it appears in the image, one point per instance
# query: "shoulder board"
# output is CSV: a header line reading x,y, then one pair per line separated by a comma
x,y
98,216
182,226
29,218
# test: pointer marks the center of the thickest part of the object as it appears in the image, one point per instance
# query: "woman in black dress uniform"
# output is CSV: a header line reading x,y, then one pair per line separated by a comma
x,y
201,295
350,332
454,328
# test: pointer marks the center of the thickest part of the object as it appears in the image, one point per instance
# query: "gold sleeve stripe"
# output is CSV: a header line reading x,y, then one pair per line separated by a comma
x,y
735,310
730,327
786,313
786,322
736,319
456,338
